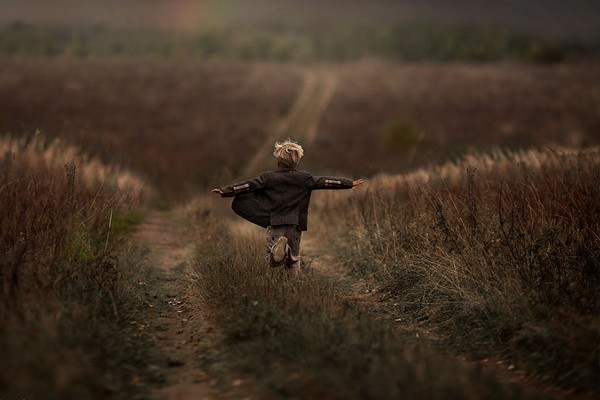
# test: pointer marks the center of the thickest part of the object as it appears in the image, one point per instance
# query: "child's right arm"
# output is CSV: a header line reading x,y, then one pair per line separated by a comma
x,y
243,187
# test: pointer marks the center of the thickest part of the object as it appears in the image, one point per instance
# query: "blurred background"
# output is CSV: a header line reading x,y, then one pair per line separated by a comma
x,y
301,30
573,20
377,86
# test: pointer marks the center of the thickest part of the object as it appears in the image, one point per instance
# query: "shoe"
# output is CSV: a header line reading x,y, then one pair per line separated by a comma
x,y
278,252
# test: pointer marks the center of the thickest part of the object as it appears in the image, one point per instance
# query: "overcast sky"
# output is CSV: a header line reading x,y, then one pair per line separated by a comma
x,y
572,19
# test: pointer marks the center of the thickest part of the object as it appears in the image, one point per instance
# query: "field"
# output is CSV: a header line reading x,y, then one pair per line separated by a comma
x,y
183,118
466,267
170,121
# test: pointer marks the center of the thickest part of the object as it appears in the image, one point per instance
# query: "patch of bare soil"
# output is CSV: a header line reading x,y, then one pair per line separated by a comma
x,y
188,361
176,325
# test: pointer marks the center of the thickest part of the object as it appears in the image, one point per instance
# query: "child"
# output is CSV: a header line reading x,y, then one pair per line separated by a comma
x,y
278,200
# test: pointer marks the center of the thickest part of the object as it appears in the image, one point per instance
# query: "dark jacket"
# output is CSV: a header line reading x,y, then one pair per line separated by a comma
x,y
279,197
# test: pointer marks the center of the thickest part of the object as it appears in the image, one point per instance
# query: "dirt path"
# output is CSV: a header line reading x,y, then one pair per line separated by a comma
x,y
182,333
178,329
302,122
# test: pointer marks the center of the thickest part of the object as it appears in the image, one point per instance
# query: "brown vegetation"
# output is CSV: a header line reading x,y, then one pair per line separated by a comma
x,y
498,253
304,339
182,125
189,126
61,214
393,118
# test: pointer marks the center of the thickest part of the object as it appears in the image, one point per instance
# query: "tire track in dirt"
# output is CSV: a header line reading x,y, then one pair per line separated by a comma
x,y
179,330
302,122
188,360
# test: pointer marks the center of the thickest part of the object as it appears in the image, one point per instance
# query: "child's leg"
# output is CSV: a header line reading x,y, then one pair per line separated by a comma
x,y
273,235
293,234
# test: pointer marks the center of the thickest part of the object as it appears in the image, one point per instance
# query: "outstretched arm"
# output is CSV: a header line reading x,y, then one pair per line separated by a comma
x,y
328,182
241,188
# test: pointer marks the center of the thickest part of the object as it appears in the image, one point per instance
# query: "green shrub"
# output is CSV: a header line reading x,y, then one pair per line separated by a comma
x,y
401,137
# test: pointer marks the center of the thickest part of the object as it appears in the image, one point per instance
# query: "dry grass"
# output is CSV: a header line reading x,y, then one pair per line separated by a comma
x,y
303,339
62,282
36,153
500,253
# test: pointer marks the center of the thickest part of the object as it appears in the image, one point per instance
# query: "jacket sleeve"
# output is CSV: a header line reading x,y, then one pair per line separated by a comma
x,y
244,187
328,182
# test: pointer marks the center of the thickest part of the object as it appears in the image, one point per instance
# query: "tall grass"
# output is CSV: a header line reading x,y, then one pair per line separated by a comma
x,y
62,282
499,252
303,339
39,155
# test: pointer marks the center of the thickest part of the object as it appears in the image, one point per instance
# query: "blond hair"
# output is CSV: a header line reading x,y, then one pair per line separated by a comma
x,y
288,152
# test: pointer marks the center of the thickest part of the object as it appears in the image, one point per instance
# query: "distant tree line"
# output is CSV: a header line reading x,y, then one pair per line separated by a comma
x,y
429,42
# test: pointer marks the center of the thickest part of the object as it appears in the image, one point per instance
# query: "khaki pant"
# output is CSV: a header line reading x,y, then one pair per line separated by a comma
x,y
293,234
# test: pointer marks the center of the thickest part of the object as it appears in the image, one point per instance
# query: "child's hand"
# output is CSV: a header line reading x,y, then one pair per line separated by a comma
x,y
218,191
358,182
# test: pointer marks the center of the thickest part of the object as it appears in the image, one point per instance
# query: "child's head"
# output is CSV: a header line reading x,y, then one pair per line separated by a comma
x,y
288,153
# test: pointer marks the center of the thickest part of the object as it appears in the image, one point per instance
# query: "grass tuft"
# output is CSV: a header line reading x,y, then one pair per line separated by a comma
x,y
64,283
